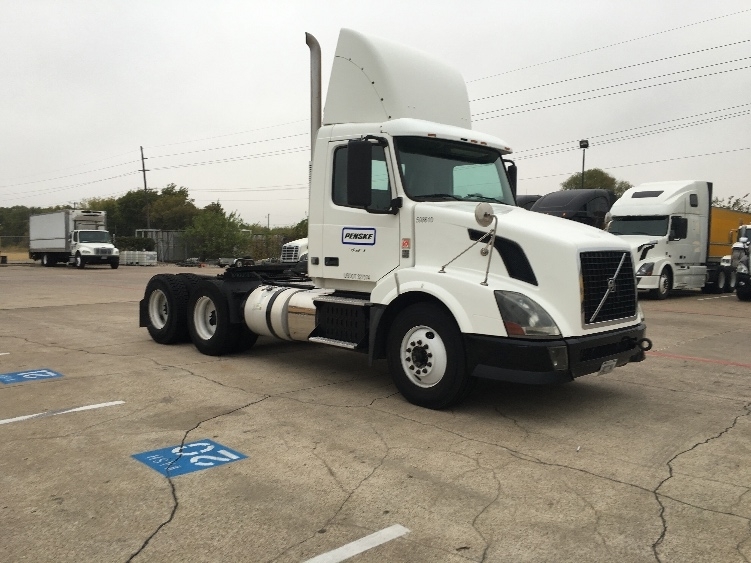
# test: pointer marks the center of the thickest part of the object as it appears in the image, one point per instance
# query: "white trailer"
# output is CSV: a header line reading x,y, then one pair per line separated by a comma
x,y
73,236
417,252
679,240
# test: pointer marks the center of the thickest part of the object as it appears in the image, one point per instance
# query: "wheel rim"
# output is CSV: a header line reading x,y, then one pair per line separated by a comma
x,y
158,309
721,280
664,283
204,318
423,356
733,280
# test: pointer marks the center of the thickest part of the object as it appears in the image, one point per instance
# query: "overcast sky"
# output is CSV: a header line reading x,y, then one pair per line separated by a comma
x,y
217,92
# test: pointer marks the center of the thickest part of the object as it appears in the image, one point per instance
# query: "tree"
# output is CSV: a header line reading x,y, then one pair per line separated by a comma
x,y
213,234
596,178
734,203
173,210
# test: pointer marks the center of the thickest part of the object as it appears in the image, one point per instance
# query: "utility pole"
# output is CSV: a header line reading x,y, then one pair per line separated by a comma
x,y
145,189
583,145
268,233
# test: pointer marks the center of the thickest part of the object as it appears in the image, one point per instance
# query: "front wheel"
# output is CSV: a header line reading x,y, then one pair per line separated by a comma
x,y
115,264
722,282
79,263
664,286
743,294
426,357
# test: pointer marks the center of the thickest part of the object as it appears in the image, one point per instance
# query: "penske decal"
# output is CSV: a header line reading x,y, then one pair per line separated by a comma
x,y
359,236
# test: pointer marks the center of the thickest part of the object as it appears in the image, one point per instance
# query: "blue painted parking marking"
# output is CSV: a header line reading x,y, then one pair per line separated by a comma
x,y
179,460
29,375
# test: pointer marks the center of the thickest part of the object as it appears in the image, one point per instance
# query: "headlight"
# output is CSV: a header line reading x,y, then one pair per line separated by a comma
x,y
523,317
646,269
115,251
85,251
742,268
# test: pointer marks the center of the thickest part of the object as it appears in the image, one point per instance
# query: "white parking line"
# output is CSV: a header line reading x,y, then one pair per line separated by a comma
x,y
358,546
55,413
4,353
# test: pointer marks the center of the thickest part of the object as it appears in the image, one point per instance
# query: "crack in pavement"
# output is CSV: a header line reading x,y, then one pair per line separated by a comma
x,y
175,501
658,495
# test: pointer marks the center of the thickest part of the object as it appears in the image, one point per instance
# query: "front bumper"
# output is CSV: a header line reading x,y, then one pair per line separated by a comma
x,y
648,282
529,361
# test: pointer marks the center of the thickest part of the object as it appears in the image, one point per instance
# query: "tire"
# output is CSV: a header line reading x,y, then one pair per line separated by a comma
x,y
47,261
732,280
167,301
743,294
424,338
208,321
665,285
115,264
722,282
78,261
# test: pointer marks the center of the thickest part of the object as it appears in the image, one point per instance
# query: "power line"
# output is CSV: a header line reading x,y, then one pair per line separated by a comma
x,y
643,134
642,163
612,70
61,188
69,175
235,158
611,45
598,96
231,146
635,128
228,134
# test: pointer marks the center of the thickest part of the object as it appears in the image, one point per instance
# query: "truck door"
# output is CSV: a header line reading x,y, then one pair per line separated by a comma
x,y
359,245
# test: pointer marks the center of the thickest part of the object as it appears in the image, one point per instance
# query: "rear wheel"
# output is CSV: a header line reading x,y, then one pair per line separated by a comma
x,y
167,301
426,357
47,260
209,323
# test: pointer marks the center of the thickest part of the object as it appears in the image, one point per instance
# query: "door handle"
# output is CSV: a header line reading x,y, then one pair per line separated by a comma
x,y
331,261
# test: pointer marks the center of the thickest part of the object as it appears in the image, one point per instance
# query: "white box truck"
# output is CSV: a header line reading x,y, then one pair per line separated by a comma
x,y
417,253
680,241
73,236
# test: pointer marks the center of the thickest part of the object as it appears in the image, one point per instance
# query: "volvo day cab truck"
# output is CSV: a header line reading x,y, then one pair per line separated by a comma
x,y
417,253
679,240
72,236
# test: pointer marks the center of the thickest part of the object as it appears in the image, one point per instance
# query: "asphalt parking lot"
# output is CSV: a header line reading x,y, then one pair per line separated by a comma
x,y
299,450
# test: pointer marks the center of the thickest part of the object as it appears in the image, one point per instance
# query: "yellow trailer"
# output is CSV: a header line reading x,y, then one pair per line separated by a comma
x,y
723,230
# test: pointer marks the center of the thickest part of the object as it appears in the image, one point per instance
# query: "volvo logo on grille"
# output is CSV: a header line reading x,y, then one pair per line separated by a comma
x,y
611,288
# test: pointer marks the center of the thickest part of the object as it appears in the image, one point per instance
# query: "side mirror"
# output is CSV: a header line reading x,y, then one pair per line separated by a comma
x,y
511,174
679,228
359,172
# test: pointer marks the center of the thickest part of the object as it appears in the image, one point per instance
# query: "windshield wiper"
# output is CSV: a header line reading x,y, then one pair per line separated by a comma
x,y
481,198
435,196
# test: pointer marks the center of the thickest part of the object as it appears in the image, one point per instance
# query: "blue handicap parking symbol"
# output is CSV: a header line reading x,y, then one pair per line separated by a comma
x,y
29,375
178,460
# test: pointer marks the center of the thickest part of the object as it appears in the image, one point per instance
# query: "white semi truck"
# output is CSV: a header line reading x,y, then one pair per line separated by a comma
x,y
680,240
417,252
73,236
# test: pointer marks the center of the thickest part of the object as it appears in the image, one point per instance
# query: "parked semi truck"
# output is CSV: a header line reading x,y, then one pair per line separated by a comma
x,y
417,251
588,206
679,239
72,236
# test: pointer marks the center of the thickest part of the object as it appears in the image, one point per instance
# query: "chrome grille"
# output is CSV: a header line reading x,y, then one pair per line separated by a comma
x,y
101,251
290,253
598,270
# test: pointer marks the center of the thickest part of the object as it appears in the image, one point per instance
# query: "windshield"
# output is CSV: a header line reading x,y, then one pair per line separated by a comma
x,y
94,236
655,226
437,170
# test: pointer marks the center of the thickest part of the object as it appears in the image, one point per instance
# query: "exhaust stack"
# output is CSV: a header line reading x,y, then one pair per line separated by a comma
x,y
315,89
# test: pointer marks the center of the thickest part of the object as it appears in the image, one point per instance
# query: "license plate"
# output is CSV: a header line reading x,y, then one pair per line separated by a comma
x,y
607,367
